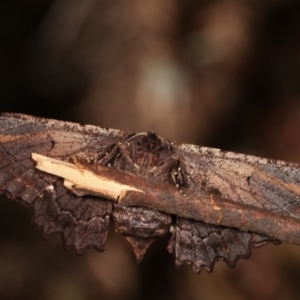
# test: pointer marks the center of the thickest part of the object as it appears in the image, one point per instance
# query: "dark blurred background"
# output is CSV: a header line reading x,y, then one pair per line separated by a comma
x,y
220,73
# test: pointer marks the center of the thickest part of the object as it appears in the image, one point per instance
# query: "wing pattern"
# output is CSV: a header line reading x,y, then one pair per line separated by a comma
x,y
83,221
263,183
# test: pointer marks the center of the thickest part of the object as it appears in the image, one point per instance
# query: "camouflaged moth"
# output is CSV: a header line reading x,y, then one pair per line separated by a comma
x,y
214,204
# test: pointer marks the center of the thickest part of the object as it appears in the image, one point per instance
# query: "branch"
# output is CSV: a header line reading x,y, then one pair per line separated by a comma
x,y
130,190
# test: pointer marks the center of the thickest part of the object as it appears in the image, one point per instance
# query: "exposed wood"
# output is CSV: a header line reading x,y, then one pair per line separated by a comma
x,y
81,179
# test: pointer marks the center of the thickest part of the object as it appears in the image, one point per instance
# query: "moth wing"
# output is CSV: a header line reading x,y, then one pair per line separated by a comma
x,y
267,184
202,245
82,221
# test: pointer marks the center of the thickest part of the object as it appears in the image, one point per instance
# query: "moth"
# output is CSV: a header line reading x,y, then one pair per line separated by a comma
x,y
214,205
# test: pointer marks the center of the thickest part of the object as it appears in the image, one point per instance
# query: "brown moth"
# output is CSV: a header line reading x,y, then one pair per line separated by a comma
x,y
215,205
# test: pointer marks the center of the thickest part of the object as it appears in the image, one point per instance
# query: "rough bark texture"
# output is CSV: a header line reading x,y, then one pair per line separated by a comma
x,y
228,182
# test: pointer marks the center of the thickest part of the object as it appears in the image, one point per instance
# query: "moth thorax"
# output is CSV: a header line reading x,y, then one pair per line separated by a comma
x,y
148,150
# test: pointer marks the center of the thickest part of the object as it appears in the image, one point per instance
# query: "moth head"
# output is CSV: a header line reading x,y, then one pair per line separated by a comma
x,y
148,150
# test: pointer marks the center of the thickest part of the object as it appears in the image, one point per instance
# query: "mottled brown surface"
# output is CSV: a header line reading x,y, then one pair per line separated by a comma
x,y
202,245
55,209
83,221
